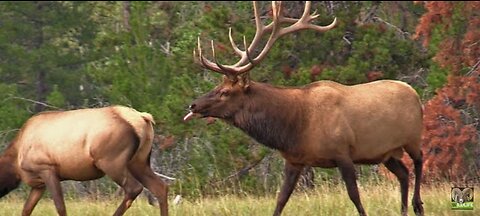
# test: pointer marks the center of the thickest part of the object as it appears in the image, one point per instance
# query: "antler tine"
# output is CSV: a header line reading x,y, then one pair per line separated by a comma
x,y
304,22
207,64
300,24
260,31
194,56
213,50
234,45
248,53
229,72
246,62
239,67
306,10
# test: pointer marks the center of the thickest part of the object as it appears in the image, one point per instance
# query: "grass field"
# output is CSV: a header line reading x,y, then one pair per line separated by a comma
x,y
383,200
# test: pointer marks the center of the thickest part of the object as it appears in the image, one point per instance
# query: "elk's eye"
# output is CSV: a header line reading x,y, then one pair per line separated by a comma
x,y
224,93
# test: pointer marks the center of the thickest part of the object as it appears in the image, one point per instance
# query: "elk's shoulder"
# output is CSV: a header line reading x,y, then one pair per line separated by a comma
x,y
325,84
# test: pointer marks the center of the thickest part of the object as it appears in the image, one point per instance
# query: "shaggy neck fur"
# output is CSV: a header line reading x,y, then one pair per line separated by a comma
x,y
272,116
9,179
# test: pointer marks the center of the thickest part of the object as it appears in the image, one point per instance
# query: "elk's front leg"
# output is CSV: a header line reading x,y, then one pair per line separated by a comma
x,y
33,198
292,172
347,169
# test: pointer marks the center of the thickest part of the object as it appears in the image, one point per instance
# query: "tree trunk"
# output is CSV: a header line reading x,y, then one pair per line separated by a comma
x,y
126,15
41,85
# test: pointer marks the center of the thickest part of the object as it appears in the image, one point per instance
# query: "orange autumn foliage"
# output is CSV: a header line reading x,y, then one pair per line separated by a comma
x,y
451,143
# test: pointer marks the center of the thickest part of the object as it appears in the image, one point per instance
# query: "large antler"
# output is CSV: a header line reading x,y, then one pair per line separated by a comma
x,y
246,61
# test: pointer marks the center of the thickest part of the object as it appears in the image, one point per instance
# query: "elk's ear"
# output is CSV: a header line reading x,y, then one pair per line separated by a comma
x,y
244,80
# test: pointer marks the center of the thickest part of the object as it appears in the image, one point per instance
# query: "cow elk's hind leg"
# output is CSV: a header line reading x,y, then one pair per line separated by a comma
x,y
292,173
347,169
32,200
152,182
119,174
132,188
401,172
53,185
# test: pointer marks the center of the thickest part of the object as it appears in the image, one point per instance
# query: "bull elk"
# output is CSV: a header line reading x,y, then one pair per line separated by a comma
x,y
83,145
322,124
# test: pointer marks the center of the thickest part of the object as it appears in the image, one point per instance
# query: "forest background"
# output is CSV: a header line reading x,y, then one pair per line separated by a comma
x,y
70,55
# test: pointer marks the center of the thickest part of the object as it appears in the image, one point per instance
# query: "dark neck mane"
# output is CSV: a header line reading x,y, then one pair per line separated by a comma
x,y
271,115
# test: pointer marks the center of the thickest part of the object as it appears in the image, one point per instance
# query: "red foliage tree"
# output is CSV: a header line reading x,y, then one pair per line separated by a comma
x,y
450,129
315,70
374,75
451,145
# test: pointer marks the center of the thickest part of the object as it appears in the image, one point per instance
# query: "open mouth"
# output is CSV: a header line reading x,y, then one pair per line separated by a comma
x,y
191,115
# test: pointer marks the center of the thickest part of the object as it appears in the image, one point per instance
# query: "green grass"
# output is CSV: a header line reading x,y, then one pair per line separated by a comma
x,y
324,200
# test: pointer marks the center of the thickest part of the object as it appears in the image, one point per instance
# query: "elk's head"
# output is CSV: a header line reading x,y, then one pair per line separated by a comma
x,y
230,96
9,179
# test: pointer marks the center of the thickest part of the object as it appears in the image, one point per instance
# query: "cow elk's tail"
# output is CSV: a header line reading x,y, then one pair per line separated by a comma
x,y
142,124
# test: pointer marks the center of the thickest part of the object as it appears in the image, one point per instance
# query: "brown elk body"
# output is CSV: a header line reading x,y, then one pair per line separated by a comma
x,y
82,145
323,124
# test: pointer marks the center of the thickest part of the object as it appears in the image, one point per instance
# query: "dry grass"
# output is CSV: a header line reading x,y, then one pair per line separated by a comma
x,y
324,200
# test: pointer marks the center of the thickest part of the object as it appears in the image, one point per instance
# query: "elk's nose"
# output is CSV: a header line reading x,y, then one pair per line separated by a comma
x,y
192,106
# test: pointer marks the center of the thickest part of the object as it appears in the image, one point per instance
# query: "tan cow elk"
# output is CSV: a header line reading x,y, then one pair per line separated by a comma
x,y
82,145
323,124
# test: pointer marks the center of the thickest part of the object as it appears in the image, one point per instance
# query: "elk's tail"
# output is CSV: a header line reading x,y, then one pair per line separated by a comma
x,y
142,123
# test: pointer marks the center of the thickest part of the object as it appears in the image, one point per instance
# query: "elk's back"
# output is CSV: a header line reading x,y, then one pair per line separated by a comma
x,y
371,121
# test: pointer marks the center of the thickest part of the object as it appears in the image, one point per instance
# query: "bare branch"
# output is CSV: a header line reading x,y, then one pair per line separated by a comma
x,y
474,67
166,48
126,15
33,101
243,171
391,25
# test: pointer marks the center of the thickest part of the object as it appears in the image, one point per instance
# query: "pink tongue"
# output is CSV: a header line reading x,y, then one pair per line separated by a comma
x,y
188,116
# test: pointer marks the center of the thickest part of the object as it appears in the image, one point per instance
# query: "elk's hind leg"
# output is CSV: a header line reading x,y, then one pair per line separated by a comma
x,y
155,184
415,153
119,173
398,168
